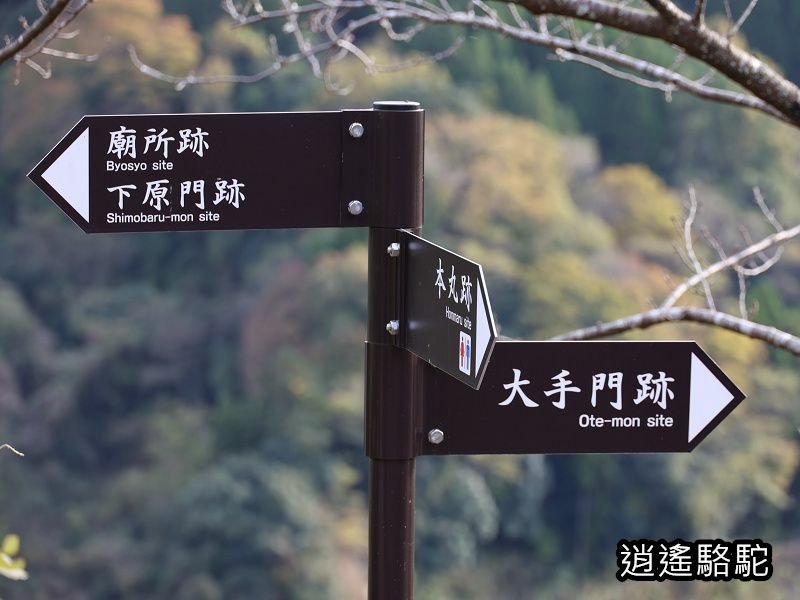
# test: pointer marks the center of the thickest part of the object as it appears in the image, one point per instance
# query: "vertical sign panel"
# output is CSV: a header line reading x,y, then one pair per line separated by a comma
x,y
448,319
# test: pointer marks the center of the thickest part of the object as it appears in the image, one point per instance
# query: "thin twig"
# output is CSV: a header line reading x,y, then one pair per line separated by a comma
x,y
11,448
745,15
522,23
664,7
768,213
728,11
740,274
569,47
775,239
689,245
667,88
763,267
698,18
742,294
69,55
706,316
33,31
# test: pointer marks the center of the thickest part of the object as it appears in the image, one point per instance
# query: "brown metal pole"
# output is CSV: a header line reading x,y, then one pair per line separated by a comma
x,y
391,529
393,375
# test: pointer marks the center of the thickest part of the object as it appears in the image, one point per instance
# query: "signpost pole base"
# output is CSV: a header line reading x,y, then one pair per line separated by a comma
x,y
391,529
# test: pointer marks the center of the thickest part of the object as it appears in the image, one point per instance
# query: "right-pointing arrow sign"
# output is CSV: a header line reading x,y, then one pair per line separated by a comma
x,y
574,397
708,397
447,320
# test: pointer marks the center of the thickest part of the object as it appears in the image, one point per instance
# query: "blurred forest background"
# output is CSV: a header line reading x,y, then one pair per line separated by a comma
x,y
190,405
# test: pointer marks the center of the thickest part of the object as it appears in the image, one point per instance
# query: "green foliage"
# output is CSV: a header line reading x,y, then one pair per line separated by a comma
x,y
575,295
456,513
493,69
428,83
502,179
637,202
257,528
773,310
12,566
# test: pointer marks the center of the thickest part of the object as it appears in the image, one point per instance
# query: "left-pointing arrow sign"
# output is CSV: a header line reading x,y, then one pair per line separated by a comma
x,y
68,176
229,171
198,172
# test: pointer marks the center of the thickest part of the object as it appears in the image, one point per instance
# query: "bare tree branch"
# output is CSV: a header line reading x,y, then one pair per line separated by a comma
x,y
340,30
667,312
764,88
34,38
30,33
768,213
698,17
745,15
665,8
689,245
742,295
11,448
728,11
180,82
763,267
696,40
706,316
768,242
327,27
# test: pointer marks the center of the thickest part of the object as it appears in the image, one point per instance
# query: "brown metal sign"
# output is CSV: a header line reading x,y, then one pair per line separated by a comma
x,y
188,172
447,319
576,397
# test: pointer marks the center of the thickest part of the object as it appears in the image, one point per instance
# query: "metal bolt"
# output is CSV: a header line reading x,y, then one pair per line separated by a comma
x,y
393,249
436,436
355,207
393,327
356,129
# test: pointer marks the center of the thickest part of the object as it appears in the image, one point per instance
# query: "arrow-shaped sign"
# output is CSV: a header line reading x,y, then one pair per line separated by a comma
x,y
446,314
187,172
575,397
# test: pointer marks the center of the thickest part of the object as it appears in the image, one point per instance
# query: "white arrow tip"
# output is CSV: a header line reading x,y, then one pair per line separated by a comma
x,y
483,333
708,396
69,175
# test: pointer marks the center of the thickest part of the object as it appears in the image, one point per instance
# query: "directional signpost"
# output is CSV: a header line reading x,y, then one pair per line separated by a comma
x,y
185,172
577,397
435,381
447,320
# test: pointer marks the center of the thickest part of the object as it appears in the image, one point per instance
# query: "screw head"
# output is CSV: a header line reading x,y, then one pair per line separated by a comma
x,y
393,249
393,327
356,129
436,436
355,207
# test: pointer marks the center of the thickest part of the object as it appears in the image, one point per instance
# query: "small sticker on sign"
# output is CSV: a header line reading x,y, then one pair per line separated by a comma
x,y
464,353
